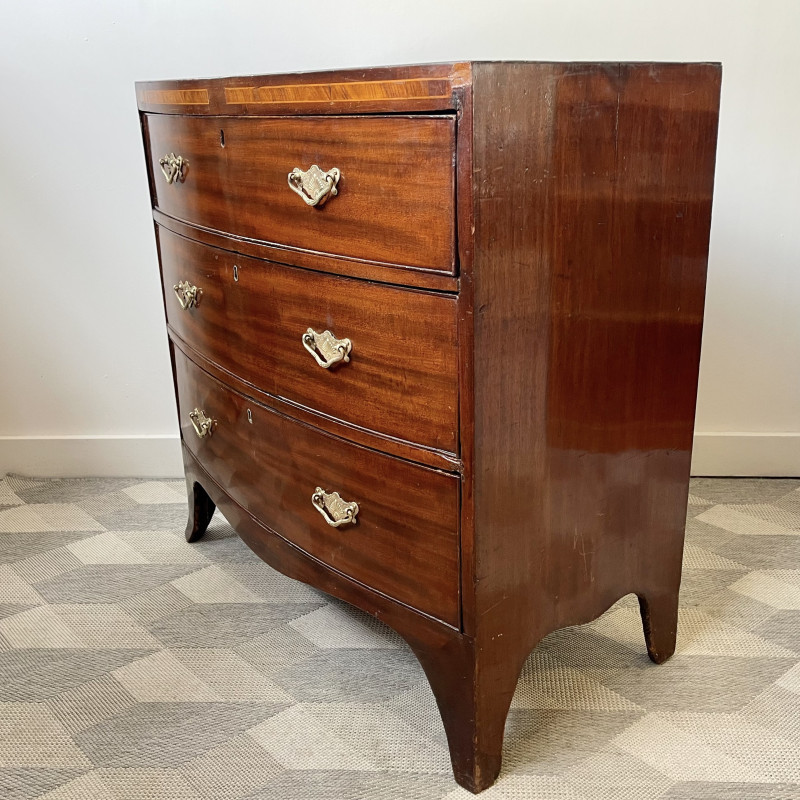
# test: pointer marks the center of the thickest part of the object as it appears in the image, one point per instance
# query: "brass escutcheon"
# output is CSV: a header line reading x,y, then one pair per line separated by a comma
x,y
188,295
173,167
203,425
314,185
326,348
334,510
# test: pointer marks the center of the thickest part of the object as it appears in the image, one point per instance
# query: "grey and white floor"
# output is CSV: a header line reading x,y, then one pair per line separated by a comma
x,y
134,666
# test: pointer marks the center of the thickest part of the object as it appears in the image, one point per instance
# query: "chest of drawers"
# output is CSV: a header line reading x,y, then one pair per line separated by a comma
x,y
435,333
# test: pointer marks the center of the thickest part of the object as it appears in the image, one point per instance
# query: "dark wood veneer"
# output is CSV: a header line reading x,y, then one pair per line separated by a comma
x,y
402,377
395,196
405,540
395,274
588,278
582,213
438,459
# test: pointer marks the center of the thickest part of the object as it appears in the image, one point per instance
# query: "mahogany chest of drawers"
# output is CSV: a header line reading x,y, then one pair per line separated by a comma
x,y
435,333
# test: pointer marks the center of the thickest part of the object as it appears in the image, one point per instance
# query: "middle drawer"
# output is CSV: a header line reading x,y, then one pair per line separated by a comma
x,y
394,369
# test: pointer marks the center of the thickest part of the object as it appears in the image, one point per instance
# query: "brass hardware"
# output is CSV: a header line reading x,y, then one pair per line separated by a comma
x,y
334,510
314,185
333,350
249,416
236,272
188,295
203,425
173,167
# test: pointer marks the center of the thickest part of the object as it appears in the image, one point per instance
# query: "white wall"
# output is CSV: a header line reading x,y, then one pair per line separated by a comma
x,y
85,385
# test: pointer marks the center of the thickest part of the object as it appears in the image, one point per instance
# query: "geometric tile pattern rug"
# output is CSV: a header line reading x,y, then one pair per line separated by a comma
x,y
134,666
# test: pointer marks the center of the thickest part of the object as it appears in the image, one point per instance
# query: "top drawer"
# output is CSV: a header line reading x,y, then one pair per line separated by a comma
x,y
395,192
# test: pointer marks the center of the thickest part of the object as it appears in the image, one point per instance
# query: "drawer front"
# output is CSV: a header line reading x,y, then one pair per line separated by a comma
x,y
395,193
401,376
404,542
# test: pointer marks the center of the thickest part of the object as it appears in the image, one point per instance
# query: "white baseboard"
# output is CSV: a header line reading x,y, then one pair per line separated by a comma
x,y
723,454
765,455
92,456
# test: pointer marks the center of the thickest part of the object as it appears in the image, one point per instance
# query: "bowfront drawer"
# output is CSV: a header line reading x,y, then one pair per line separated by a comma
x,y
380,357
383,186
384,522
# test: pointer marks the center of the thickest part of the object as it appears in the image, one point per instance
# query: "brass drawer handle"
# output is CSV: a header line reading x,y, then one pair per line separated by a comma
x,y
334,510
203,425
173,167
314,185
331,349
188,295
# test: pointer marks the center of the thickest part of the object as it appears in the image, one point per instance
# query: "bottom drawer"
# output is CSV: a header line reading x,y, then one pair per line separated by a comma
x,y
404,538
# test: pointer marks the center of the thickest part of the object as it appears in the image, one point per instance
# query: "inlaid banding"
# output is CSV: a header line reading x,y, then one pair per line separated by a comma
x,y
350,92
176,97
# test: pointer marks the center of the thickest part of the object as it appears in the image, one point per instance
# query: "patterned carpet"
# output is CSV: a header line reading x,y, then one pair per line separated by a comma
x,y
134,666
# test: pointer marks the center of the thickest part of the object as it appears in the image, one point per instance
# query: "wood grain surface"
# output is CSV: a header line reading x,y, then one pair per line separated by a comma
x,y
402,377
405,541
567,209
395,199
592,189
415,88
376,271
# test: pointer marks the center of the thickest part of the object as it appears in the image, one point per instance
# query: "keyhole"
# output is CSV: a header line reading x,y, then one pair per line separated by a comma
x,y
236,272
249,416
221,138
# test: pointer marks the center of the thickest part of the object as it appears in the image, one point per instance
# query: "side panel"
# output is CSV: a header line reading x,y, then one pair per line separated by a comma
x,y
592,202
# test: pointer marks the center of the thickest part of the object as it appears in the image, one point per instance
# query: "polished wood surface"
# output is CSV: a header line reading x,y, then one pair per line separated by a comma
x,y
415,88
393,274
403,366
395,200
594,265
580,210
405,541
438,459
